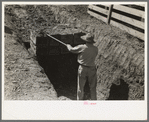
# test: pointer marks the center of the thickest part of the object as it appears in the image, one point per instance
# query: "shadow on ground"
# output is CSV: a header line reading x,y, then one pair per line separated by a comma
x,y
119,92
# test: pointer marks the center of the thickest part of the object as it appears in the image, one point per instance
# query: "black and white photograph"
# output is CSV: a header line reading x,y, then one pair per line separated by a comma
x,y
88,54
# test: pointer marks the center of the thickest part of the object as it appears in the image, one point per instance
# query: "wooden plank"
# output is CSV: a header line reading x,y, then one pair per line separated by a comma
x,y
143,5
129,20
107,5
32,37
130,10
109,14
129,30
33,47
97,16
101,10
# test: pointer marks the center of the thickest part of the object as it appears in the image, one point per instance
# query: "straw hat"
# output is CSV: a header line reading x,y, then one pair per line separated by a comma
x,y
88,38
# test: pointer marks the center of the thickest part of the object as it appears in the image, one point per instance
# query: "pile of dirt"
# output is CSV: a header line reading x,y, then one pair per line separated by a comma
x,y
22,19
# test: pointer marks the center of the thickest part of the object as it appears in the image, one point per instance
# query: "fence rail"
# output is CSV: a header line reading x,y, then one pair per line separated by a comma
x,y
129,17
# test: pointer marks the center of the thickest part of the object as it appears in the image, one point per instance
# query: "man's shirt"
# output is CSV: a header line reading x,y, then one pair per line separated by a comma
x,y
87,54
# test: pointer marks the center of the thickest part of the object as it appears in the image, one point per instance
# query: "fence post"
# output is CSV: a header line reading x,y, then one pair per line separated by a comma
x,y
109,14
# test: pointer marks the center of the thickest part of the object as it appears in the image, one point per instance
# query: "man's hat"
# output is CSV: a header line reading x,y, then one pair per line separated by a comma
x,y
88,38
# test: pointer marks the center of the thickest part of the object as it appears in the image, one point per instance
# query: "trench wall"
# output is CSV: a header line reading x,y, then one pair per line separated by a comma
x,y
120,56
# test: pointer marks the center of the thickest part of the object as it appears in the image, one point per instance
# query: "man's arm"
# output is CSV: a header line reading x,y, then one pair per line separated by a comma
x,y
77,49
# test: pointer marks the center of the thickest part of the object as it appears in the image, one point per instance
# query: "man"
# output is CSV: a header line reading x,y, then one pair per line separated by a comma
x,y
87,69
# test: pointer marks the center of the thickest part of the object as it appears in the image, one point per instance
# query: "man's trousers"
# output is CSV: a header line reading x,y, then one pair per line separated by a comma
x,y
87,73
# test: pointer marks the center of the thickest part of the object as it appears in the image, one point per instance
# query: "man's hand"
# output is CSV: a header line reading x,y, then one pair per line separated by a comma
x,y
69,47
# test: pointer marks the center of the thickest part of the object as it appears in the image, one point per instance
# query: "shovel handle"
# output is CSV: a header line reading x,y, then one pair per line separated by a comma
x,y
57,40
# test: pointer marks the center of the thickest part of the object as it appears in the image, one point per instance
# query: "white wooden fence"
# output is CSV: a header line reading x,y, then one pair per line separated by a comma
x,y
130,18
